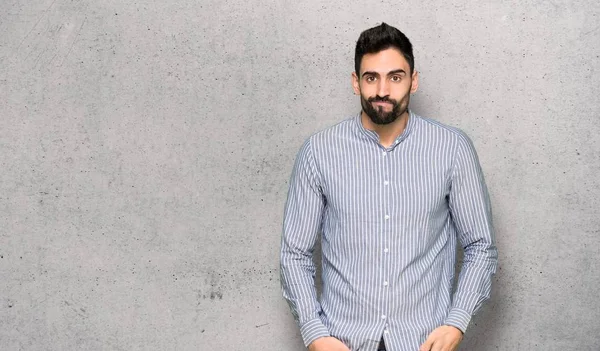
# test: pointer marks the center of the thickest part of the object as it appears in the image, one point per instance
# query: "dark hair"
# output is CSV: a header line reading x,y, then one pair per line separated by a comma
x,y
380,38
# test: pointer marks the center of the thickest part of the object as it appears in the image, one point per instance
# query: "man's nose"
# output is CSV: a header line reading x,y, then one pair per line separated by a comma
x,y
383,88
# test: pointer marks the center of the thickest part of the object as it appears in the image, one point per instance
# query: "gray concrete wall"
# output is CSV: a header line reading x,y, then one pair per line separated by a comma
x,y
145,150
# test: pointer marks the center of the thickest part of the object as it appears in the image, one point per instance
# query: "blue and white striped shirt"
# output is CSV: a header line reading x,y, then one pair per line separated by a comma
x,y
389,219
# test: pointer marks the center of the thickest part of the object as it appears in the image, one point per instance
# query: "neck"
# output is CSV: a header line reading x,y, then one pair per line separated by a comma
x,y
387,132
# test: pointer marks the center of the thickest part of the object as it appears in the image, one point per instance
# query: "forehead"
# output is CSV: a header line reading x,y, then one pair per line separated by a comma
x,y
384,61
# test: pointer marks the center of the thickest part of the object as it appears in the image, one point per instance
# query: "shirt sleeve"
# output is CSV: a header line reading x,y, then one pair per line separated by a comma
x,y
472,217
301,225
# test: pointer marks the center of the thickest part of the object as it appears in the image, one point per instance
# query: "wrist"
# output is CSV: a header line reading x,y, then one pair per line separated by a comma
x,y
458,318
313,330
316,343
455,327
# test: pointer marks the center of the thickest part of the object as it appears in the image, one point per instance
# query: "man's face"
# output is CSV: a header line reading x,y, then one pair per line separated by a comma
x,y
384,85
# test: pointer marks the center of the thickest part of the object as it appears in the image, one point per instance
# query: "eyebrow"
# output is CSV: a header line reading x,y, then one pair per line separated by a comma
x,y
396,71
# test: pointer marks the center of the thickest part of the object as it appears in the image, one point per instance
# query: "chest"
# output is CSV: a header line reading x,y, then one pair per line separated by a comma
x,y
410,180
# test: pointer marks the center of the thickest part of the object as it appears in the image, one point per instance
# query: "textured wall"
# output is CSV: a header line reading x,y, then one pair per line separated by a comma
x,y
145,150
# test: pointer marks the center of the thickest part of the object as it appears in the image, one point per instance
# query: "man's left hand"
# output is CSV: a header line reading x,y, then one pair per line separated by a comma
x,y
444,338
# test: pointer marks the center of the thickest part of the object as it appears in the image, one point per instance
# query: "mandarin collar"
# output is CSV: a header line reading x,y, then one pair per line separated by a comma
x,y
410,125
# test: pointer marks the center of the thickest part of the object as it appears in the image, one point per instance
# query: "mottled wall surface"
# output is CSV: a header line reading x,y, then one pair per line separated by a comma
x,y
146,147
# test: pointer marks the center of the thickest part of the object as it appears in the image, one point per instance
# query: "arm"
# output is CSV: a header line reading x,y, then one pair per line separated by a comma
x,y
302,221
471,214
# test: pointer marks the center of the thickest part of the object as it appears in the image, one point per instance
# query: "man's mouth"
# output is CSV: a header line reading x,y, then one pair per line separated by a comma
x,y
382,103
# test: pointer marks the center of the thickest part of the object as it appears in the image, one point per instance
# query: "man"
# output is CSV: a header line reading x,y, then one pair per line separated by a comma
x,y
390,192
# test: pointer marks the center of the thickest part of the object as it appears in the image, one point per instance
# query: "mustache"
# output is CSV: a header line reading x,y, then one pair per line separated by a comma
x,y
382,99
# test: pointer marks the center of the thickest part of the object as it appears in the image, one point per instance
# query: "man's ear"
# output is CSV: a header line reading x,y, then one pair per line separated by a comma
x,y
415,82
355,84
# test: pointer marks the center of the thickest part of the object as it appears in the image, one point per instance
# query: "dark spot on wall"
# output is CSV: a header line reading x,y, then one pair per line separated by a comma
x,y
216,295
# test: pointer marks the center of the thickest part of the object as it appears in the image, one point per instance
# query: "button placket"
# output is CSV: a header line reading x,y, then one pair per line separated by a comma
x,y
387,159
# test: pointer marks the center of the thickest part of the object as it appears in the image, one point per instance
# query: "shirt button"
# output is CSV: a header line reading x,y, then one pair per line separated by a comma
x,y
386,182
387,216
383,316
384,153
386,331
386,250
385,283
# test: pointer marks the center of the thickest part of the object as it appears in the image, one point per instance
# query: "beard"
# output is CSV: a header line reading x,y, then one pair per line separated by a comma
x,y
377,115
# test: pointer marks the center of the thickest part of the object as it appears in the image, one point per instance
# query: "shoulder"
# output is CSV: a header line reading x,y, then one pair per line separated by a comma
x,y
325,139
330,136
335,131
443,133
432,125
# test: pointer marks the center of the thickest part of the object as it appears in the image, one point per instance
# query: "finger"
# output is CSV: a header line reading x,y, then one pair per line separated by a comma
x,y
454,346
427,344
438,346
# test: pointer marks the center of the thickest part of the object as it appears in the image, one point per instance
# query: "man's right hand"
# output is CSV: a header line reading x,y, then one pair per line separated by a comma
x,y
327,343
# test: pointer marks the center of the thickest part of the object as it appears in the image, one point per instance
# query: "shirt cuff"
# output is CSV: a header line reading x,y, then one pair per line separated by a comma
x,y
458,318
312,330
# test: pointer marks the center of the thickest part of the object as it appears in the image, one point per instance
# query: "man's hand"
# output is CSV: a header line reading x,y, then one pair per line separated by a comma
x,y
444,338
327,343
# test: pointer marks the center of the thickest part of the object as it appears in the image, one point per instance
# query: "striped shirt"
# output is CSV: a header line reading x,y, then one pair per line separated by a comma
x,y
389,220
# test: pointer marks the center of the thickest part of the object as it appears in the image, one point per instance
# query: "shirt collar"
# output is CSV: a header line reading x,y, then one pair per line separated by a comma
x,y
375,137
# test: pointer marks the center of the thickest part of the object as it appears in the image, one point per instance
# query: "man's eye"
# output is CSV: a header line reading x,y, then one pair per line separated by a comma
x,y
370,79
396,78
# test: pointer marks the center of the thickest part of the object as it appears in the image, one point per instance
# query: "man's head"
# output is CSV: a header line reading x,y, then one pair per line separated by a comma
x,y
384,73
